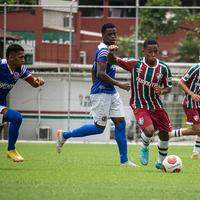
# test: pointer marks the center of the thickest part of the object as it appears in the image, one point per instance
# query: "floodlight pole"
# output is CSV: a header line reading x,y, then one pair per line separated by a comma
x,y
136,28
4,30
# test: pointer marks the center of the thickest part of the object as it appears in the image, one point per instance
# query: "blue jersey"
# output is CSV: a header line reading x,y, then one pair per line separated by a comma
x,y
8,79
98,85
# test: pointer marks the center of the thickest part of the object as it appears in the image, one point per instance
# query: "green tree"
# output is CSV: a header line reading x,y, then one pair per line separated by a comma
x,y
189,49
156,22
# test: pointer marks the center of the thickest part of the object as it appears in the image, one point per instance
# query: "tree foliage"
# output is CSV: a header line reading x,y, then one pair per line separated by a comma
x,y
156,22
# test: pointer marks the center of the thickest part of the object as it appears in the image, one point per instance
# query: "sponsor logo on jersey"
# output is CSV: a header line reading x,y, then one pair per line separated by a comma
x,y
6,86
147,83
16,75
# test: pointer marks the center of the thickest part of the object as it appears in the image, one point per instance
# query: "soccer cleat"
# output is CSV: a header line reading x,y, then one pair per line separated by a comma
x,y
15,156
129,164
195,156
60,140
159,165
144,155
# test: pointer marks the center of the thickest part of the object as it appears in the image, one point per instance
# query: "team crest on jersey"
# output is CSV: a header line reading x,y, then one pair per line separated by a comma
x,y
196,118
16,75
141,121
159,76
104,118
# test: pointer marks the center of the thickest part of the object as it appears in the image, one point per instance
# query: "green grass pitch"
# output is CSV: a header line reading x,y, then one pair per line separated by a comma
x,y
92,172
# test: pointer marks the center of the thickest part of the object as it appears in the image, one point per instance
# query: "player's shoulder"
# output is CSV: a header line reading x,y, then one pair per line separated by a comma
x,y
164,65
102,46
195,66
3,61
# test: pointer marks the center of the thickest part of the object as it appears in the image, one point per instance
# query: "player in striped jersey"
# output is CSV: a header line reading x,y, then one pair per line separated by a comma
x,y
190,84
11,70
105,100
150,78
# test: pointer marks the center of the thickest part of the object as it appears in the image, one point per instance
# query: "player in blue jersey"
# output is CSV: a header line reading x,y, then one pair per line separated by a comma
x,y
105,100
11,70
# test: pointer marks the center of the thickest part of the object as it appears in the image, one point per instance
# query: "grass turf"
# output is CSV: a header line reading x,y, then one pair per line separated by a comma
x,y
92,172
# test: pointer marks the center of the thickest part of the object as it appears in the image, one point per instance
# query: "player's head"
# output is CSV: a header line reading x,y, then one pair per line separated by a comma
x,y
150,50
15,55
109,33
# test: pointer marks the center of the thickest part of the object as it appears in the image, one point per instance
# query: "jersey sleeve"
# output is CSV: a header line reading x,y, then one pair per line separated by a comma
x,y
167,78
102,55
189,73
25,73
126,64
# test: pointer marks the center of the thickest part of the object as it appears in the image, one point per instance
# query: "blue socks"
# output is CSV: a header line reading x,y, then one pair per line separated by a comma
x,y
15,120
120,137
85,130
91,129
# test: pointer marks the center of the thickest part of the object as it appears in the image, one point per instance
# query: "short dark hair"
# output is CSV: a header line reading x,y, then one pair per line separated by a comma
x,y
105,26
13,48
149,42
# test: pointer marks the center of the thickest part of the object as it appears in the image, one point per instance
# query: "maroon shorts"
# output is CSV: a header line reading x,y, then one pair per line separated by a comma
x,y
192,114
158,118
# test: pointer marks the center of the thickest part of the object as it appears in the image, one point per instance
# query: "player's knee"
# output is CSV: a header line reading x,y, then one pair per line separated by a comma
x,y
149,132
17,118
99,129
121,125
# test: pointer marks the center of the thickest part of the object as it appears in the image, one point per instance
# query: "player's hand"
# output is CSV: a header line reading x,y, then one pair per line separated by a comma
x,y
158,90
195,97
124,86
39,81
113,48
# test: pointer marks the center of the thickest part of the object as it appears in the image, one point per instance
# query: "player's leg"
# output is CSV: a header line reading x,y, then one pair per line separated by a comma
x,y
162,123
163,144
117,116
99,110
15,120
146,125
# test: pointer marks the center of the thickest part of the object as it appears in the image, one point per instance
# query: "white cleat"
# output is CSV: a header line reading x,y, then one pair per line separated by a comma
x,y
60,140
129,164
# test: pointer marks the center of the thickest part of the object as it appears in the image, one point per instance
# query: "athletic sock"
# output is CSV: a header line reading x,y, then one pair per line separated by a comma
x,y
85,130
162,150
145,140
196,148
15,120
176,133
120,137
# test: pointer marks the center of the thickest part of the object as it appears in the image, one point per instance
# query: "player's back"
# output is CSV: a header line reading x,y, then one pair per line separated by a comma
x,y
100,86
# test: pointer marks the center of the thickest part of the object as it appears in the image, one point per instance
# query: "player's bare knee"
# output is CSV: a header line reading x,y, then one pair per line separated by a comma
x,y
149,132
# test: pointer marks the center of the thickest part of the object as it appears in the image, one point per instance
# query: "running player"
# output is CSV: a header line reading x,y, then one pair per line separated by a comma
x,y
150,78
11,70
104,98
190,84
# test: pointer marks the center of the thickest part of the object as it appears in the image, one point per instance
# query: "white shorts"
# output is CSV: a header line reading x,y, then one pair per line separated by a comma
x,y
104,106
1,115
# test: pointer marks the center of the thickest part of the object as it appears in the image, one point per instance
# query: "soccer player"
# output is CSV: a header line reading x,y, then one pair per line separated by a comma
x,y
11,70
190,84
150,78
105,100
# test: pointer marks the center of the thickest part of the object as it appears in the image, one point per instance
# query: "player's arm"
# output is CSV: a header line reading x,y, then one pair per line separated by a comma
x,y
101,74
166,82
195,97
34,81
123,63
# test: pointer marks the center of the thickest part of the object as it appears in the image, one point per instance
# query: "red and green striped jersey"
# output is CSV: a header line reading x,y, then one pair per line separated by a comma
x,y
143,80
192,80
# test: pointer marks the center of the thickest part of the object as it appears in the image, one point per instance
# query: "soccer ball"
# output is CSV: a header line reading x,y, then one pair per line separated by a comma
x,y
172,164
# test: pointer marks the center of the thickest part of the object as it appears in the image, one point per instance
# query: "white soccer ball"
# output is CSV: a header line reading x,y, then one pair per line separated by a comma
x,y
172,164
